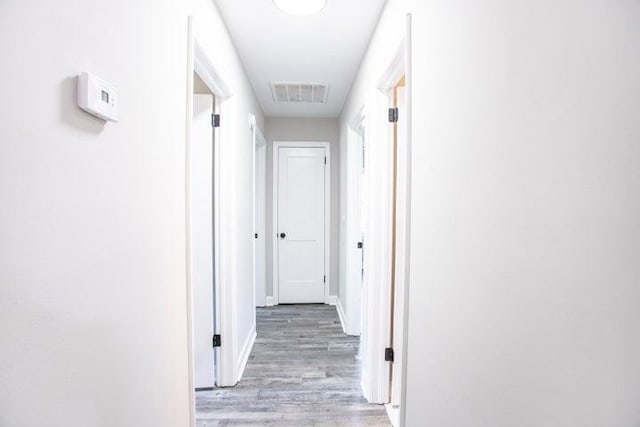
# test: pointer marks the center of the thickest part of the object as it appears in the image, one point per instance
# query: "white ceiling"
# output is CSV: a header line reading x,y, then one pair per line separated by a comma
x,y
323,48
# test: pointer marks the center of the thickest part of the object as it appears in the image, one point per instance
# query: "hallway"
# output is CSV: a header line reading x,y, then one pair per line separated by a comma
x,y
302,371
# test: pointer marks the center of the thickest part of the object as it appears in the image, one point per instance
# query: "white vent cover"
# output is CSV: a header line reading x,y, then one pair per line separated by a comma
x,y
309,93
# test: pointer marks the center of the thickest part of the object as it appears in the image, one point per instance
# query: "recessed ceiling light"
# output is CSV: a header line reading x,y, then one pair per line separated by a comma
x,y
300,7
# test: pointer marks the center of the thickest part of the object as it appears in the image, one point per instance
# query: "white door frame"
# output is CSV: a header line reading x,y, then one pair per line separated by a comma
x,y
377,290
406,220
327,212
259,143
199,61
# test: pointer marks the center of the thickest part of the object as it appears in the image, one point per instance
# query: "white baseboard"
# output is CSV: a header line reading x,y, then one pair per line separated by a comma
x,y
341,315
343,320
363,386
393,412
246,351
271,301
332,300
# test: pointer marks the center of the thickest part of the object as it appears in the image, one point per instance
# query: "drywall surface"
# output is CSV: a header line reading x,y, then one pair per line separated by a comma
x,y
296,130
92,226
525,265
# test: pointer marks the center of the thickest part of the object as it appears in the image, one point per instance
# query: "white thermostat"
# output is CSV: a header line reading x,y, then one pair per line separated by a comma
x,y
97,97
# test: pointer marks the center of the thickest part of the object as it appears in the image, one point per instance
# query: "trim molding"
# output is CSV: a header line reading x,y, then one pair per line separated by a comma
x,y
395,68
208,72
393,412
189,280
341,315
271,301
246,351
332,300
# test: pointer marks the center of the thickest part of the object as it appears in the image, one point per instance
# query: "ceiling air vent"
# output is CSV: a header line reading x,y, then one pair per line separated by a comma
x,y
308,93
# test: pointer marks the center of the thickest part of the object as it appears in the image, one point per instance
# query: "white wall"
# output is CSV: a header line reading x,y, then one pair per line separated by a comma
x,y
299,129
92,225
526,199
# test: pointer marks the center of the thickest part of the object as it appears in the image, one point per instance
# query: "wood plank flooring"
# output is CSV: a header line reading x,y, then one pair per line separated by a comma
x,y
303,371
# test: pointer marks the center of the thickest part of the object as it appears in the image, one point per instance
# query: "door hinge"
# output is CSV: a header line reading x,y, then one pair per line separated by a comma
x,y
388,354
393,115
360,245
256,235
324,279
216,340
215,120
325,160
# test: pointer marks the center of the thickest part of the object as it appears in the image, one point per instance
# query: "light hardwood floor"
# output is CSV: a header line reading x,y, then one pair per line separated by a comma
x,y
303,371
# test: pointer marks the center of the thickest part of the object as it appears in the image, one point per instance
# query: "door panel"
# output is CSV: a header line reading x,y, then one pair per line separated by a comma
x,y
301,224
363,209
260,248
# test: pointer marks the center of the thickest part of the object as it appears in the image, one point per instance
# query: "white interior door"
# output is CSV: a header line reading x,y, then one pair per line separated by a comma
x,y
260,226
301,225
201,221
357,239
362,221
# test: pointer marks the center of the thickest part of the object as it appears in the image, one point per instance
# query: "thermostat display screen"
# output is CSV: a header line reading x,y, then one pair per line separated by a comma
x,y
105,96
